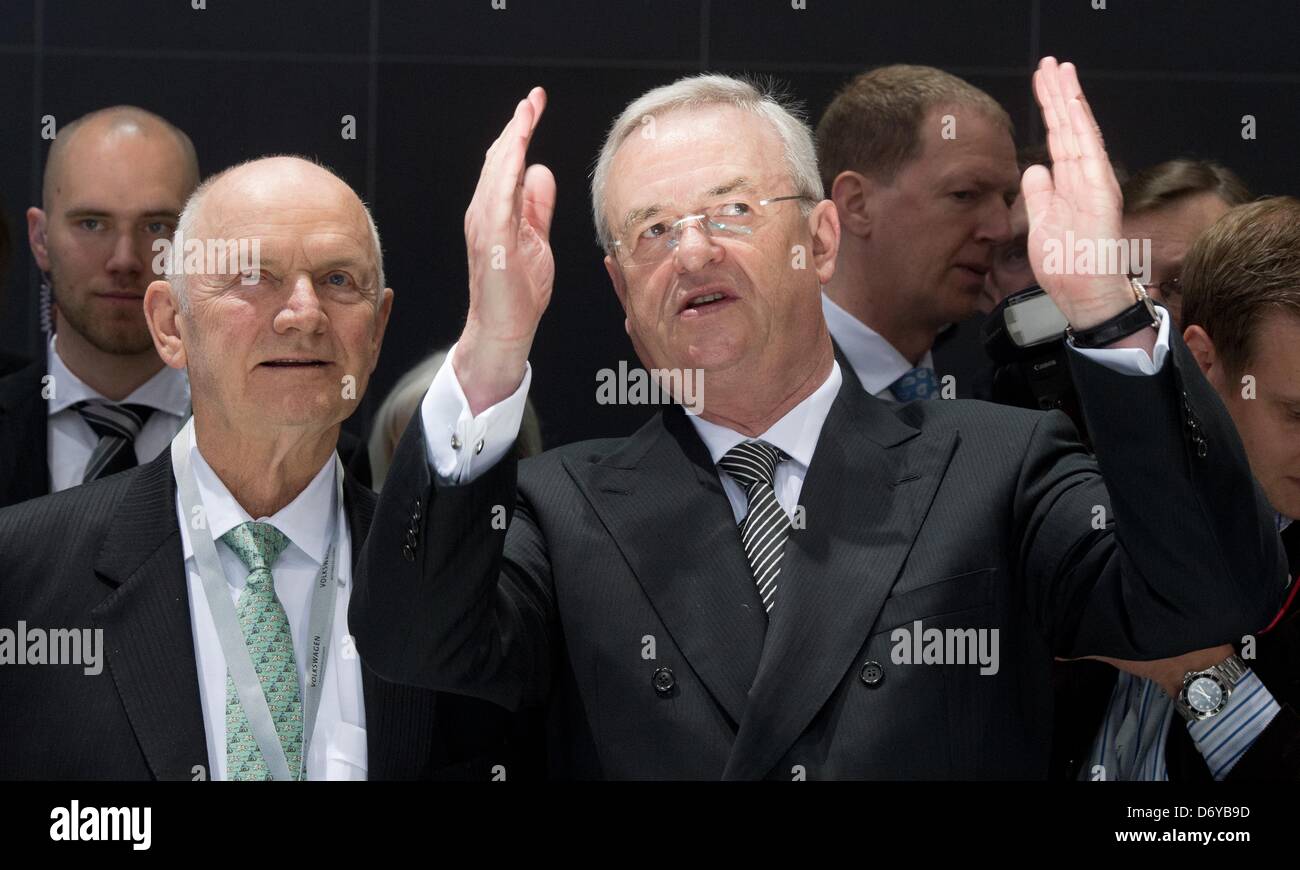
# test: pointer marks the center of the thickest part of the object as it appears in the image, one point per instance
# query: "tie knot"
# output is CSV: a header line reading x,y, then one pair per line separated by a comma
x,y
257,545
113,419
751,462
919,383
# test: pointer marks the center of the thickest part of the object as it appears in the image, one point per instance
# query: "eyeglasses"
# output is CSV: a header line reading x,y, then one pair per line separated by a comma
x,y
1166,289
653,240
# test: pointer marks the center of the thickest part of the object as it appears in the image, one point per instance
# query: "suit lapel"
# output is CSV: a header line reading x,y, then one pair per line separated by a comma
x,y
24,418
869,486
149,642
662,484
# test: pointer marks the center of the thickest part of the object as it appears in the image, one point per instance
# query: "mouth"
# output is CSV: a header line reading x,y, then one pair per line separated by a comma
x,y
704,301
974,270
121,296
292,363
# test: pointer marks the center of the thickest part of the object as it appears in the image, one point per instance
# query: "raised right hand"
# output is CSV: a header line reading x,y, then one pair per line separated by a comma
x,y
511,267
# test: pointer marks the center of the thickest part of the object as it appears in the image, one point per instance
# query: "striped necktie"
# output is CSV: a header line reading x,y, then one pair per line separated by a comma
x,y
763,531
117,427
270,646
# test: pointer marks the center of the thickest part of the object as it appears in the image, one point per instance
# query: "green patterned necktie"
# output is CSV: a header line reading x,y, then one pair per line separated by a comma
x,y
270,646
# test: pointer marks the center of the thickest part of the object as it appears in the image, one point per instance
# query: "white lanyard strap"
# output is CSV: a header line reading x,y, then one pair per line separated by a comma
x,y
231,635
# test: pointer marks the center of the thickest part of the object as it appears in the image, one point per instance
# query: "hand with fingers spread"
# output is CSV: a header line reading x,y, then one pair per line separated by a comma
x,y
511,267
1079,199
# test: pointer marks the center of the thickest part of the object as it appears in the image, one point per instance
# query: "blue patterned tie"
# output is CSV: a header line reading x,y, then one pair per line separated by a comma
x,y
270,646
919,383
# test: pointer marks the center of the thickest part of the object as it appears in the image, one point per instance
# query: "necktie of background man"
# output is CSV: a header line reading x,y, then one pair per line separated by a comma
x,y
919,383
763,531
117,427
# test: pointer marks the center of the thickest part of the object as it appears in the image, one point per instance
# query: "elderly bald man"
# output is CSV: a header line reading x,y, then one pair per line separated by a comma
x,y
98,399
213,582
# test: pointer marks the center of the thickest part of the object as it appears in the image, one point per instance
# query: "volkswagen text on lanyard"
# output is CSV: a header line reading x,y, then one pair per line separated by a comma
x,y
229,633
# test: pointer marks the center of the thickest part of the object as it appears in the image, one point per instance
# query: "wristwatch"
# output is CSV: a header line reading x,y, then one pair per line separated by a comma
x,y
1133,319
1205,693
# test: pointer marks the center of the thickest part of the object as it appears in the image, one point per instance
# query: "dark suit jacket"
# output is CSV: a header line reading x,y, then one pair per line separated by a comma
x,y
24,446
959,351
24,442
619,598
108,555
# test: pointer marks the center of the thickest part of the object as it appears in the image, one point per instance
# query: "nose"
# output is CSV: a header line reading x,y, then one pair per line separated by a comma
x,y
695,249
302,309
124,262
995,223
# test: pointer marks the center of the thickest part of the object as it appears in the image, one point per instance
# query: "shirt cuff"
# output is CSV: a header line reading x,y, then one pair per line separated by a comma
x,y
461,446
1224,738
1132,360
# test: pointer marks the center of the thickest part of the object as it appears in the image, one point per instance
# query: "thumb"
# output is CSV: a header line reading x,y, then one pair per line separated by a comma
x,y
539,199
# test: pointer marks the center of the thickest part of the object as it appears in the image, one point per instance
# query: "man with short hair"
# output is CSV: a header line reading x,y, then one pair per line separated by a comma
x,y
219,573
922,170
98,400
1241,306
729,595
1171,204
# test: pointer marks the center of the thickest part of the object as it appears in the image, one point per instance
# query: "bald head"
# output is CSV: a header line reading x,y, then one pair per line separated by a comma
x,y
270,195
107,129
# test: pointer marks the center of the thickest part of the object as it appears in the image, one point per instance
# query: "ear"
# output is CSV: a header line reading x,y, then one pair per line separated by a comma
x,y
381,326
36,237
1198,341
824,223
162,313
852,193
619,280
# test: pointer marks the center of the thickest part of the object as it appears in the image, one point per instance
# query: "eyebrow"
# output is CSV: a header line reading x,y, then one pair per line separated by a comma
x,y
636,215
95,211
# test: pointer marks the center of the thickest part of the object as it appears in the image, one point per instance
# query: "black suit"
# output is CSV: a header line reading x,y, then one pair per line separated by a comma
x,y
960,514
108,555
24,444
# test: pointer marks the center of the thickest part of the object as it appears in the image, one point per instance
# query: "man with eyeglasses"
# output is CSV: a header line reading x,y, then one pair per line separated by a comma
x,y
1171,204
754,592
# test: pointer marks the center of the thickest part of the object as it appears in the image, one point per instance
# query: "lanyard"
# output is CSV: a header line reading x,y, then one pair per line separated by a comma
x,y
231,636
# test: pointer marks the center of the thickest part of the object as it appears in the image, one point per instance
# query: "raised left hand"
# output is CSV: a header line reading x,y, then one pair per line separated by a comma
x,y
1079,194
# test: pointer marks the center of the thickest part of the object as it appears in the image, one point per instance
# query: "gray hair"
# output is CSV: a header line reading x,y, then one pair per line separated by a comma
x,y
189,218
761,98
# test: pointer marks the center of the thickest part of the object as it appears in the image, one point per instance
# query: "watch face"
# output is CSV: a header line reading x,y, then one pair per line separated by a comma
x,y
1204,695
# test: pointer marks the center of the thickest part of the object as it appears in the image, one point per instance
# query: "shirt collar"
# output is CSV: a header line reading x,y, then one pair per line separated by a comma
x,y
167,391
795,434
874,360
302,521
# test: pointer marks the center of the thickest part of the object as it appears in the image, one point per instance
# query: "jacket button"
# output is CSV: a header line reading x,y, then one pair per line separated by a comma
x,y
872,673
416,513
408,553
664,681
411,540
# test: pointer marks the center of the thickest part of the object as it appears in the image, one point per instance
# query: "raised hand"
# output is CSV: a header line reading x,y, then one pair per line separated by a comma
x,y
1079,194
511,267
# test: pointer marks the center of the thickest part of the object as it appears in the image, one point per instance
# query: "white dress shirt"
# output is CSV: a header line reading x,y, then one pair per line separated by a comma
x,y
338,746
70,438
873,359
